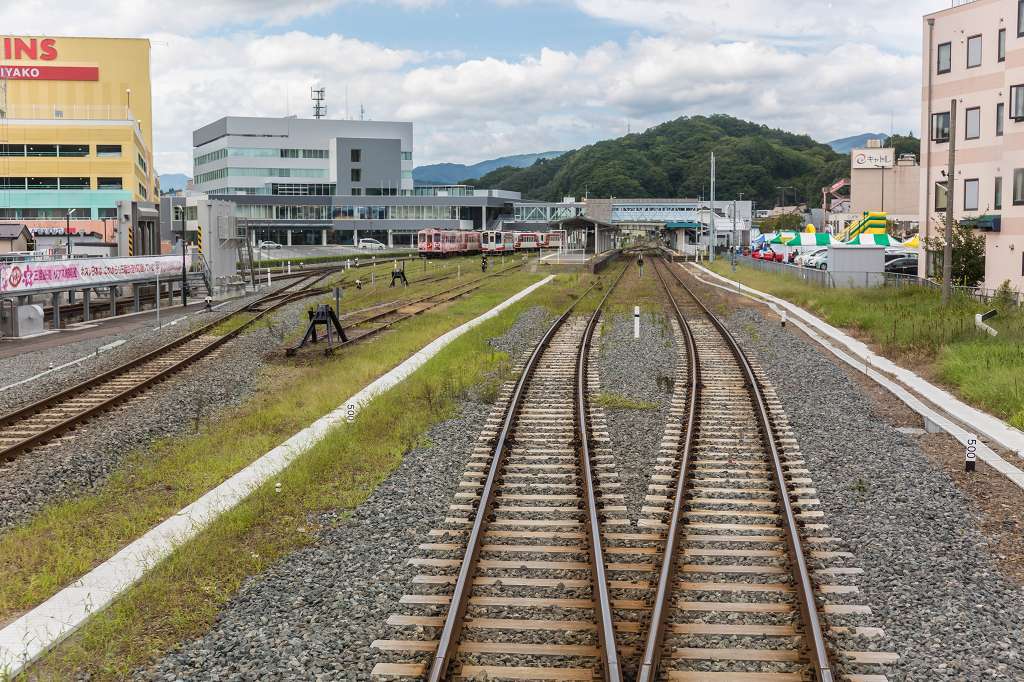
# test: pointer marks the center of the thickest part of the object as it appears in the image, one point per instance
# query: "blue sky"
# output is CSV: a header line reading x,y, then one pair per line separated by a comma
x,y
494,77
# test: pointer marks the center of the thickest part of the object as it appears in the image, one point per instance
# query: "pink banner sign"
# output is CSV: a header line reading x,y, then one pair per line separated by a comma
x,y
35,276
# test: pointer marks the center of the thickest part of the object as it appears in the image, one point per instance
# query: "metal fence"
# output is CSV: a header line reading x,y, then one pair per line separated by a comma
x,y
825,279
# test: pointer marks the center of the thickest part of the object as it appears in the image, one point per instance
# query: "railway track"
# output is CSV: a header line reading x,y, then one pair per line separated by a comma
x,y
727,575
360,325
737,589
522,553
44,420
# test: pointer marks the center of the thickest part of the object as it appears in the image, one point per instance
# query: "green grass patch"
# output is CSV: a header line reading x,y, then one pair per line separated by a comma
x,y
911,326
614,401
231,324
182,596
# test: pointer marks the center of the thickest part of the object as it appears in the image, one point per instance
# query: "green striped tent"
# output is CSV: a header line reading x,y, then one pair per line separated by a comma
x,y
804,239
875,240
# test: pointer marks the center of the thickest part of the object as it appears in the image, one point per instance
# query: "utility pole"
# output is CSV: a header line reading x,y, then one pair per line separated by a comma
x,y
184,270
947,250
711,224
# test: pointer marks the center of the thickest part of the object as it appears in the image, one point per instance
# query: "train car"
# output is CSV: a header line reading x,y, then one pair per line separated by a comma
x,y
498,242
429,242
527,241
552,240
471,241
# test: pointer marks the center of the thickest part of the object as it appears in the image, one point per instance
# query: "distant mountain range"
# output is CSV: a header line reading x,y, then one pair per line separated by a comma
x,y
452,173
848,144
170,182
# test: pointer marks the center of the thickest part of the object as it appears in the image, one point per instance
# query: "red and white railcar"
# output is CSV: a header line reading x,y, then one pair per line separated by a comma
x,y
494,241
527,241
428,242
552,240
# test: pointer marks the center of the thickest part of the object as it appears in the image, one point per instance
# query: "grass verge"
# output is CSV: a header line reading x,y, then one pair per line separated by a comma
x,y
911,326
181,597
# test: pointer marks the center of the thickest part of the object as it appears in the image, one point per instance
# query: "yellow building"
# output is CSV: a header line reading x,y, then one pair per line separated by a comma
x,y
76,121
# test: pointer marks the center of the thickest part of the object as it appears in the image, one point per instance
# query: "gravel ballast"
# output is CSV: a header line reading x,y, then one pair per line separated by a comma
x,y
641,370
85,459
928,577
314,614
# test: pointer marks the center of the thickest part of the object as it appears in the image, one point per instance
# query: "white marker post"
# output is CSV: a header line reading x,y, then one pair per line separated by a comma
x,y
636,322
971,455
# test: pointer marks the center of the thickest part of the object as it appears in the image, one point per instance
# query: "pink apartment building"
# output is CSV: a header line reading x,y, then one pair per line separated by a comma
x,y
975,55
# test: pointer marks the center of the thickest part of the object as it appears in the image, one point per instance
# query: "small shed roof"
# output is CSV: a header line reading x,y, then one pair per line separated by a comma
x,y
12,231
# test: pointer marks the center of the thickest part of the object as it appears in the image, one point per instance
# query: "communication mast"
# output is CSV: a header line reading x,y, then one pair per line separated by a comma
x,y
319,108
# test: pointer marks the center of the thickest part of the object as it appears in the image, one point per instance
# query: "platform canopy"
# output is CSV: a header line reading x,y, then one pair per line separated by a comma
x,y
804,239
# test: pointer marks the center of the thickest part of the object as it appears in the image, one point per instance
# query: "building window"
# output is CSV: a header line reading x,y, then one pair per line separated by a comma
x,y
108,151
75,183
12,183
12,150
73,150
1018,187
1000,117
997,202
289,153
106,212
945,57
1020,18
357,155
1001,50
109,183
142,163
42,150
142,191
43,183
357,192
1017,102
971,188
406,156
357,175
973,127
940,125
940,197
973,52
315,153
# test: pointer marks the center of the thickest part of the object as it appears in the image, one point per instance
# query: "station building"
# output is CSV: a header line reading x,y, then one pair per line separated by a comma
x,y
321,181
76,124
974,56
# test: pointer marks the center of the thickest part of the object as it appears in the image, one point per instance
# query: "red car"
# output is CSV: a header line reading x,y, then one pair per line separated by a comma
x,y
757,255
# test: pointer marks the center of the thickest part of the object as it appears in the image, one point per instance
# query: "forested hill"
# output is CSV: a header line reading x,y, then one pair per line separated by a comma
x,y
672,160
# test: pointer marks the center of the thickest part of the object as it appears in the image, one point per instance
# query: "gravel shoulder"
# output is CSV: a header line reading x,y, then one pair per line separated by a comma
x,y
931,576
314,614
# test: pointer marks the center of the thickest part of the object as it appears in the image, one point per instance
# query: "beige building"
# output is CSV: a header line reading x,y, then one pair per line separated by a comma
x,y
975,63
881,182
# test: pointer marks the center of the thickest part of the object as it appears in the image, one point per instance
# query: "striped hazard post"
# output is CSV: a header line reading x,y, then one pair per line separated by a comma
x,y
199,239
131,240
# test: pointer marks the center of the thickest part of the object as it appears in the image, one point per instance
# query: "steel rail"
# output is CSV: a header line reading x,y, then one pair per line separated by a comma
x,y
448,640
813,634
666,575
599,593
10,452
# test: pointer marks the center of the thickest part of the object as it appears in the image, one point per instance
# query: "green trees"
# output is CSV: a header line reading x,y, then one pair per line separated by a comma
x,y
786,222
672,160
968,255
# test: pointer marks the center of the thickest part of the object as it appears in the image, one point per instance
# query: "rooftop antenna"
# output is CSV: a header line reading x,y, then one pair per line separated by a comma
x,y
319,108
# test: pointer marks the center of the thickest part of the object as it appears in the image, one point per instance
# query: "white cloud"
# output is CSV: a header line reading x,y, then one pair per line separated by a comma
x,y
828,69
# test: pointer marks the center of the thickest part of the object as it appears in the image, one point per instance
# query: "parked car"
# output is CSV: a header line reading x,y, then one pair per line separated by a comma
x,y
367,243
819,262
804,257
907,265
268,245
894,252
